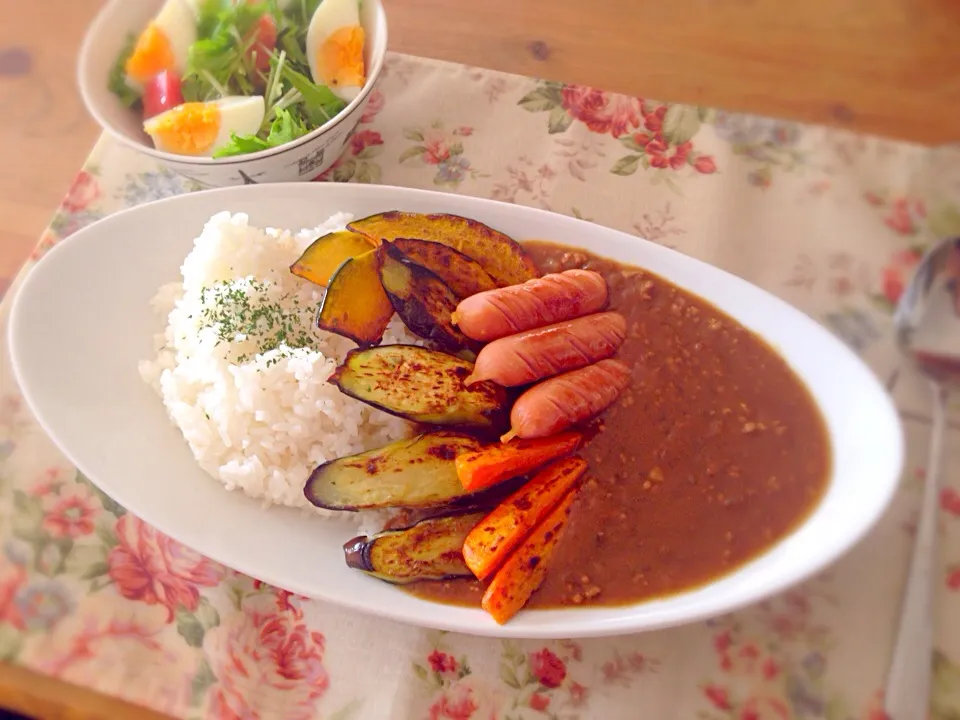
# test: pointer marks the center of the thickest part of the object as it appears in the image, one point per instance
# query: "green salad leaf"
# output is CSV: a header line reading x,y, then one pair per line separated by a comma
x,y
241,145
294,25
300,12
319,102
220,62
284,128
117,82
208,14
288,42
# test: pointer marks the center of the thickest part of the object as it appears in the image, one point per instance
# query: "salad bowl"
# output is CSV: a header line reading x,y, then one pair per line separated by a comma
x,y
302,159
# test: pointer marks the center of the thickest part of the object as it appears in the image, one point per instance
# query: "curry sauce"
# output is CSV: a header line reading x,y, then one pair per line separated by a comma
x,y
714,453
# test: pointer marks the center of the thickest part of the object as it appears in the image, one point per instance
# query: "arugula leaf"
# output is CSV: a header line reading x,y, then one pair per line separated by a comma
x,y
287,41
285,128
319,102
117,80
293,24
300,12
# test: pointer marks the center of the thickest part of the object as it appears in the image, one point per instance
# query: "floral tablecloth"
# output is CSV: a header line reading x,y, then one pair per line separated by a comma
x,y
830,221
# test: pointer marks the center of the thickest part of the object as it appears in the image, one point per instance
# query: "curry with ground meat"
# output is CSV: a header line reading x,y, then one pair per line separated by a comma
x,y
714,453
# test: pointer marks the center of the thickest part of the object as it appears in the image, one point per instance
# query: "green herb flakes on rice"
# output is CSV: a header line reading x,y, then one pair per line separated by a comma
x,y
243,371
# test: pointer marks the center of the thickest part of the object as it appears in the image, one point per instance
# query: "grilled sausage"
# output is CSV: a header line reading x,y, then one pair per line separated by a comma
x,y
536,354
543,301
564,400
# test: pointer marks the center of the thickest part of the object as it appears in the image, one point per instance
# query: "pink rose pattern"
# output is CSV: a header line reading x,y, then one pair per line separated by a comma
x,y
149,567
658,136
70,513
604,113
246,650
83,193
268,663
550,679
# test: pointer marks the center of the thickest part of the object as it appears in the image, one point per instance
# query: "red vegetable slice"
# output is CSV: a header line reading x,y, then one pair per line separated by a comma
x,y
161,93
264,36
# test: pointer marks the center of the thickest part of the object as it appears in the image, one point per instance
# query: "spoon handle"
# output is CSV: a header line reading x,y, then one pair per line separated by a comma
x,y
909,679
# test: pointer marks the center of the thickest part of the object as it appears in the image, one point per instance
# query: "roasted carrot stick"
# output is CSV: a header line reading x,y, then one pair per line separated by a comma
x,y
525,569
511,521
495,463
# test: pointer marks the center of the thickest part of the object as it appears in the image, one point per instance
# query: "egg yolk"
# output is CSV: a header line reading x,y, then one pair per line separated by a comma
x,y
340,59
152,55
188,129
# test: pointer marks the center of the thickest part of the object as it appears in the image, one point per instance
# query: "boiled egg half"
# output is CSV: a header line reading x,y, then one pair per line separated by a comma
x,y
335,42
202,128
165,44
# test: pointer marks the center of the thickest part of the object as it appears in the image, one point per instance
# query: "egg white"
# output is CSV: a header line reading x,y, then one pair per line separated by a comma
x,y
240,115
329,17
177,20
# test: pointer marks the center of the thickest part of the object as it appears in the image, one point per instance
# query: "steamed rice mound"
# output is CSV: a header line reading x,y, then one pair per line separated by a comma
x,y
243,372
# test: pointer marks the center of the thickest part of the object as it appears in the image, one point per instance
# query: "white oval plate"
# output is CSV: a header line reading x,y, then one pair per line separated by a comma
x,y
82,320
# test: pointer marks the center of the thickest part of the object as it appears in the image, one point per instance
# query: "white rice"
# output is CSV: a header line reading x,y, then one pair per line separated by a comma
x,y
258,423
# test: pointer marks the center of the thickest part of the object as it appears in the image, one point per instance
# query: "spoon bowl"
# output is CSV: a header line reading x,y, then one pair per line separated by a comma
x,y
927,319
927,332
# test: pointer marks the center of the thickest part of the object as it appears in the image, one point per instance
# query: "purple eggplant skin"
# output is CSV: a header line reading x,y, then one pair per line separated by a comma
x,y
416,476
417,472
356,553
429,550
423,301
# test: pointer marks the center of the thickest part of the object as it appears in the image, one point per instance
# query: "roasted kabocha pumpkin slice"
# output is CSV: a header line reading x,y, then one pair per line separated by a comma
x,y
326,254
500,255
461,274
355,304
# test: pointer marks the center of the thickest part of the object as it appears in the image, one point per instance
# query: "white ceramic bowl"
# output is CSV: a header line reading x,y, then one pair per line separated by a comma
x,y
304,159
78,329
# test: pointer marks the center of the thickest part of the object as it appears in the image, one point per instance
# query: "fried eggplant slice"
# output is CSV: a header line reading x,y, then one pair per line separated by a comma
x,y
422,385
355,304
417,472
461,274
421,299
326,254
501,256
430,550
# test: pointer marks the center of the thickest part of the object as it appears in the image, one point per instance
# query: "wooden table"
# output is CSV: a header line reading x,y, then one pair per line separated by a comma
x,y
888,67
879,66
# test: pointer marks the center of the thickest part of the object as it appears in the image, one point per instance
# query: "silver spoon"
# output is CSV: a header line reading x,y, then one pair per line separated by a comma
x,y
927,328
